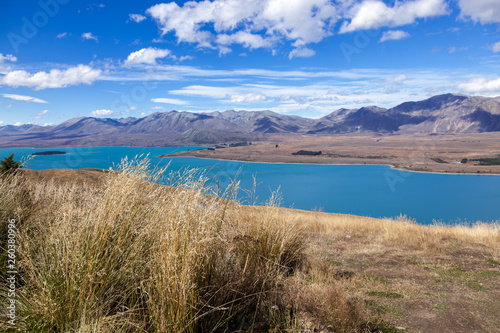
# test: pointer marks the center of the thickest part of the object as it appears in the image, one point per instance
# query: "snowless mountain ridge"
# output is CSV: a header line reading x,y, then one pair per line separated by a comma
x,y
448,113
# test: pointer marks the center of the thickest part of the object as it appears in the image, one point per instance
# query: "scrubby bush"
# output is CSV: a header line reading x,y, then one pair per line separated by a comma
x,y
8,165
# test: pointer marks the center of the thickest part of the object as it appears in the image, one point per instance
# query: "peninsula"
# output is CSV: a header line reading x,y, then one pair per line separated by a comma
x,y
49,152
447,153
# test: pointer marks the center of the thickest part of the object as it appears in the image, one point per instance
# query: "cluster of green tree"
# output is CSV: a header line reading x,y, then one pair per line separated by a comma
x,y
8,165
488,161
307,152
240,144
438,160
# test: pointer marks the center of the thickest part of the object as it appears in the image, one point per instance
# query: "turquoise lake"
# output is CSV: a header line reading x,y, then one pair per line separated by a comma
x,y
369,190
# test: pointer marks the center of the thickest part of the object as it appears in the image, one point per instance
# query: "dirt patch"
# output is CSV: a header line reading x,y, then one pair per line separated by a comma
x,y
449,290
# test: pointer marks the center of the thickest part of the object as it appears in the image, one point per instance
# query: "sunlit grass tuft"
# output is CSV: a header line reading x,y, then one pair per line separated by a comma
x,y
134,256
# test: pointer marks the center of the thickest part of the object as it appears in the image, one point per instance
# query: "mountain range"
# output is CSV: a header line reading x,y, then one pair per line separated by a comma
x,y
448,113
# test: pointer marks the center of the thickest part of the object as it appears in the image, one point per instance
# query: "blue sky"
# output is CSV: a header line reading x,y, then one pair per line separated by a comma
x,y
61,59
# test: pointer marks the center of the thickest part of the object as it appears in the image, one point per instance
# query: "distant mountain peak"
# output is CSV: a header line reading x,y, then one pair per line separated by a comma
x,y
446,113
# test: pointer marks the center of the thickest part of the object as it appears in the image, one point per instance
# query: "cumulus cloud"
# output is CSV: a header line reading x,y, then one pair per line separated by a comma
x,y
248,98
297,22
302,52
7,57
495,47
169,101
101,113
185,58
24,98
484,11
480,85
89,35
394,35
56,78
244,38
146,56
373,14
137,18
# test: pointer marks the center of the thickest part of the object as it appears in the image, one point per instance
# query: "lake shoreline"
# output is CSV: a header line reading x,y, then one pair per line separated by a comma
x,y
392,167
192,153
344,187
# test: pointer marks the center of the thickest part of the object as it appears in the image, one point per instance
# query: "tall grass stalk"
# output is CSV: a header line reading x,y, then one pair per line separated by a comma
x,y
134,256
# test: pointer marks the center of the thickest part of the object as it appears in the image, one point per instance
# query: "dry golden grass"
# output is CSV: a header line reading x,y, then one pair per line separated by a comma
x,y
131,255
115,252
361,270
399,232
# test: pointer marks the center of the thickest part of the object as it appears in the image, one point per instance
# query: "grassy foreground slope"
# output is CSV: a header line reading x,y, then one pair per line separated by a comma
x,y
115,252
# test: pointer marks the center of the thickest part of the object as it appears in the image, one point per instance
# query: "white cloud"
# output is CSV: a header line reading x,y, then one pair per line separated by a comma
x,y
1,123
95,6
89,35
8,106
266,22
7,57
101,113
299,91
454,49
62,35
210,91
373,14
484,11
24,98
56,78
248,98
169,101
137,17
302,52
394,35
184,21
244,38
185,58
146,56
158,108
480,85
41,114
313,94
495,47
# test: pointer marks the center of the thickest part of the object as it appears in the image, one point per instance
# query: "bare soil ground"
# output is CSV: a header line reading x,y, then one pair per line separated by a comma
x,y
418,278
453,288
429,153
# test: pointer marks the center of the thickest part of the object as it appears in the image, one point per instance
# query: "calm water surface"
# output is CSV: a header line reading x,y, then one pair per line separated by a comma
x,y
369,190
